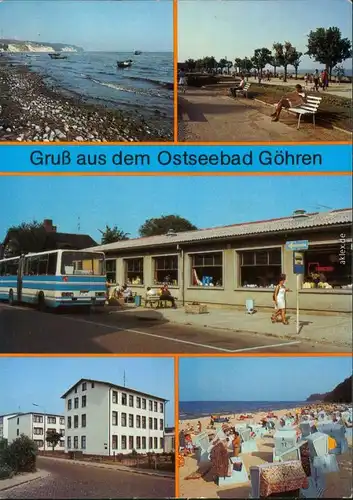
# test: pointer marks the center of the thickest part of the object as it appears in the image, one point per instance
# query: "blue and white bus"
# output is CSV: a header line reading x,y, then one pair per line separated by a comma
x,y
55,278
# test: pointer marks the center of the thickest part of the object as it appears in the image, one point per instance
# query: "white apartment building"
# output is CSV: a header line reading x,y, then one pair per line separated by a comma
x,y
36,426
4,425
107,419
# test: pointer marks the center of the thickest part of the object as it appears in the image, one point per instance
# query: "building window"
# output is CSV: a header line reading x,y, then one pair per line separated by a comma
x,y
260,268
161,443
155,406
69,442
38,419
328,267
138,402
39,443
115,397
76,421
155,424
150,442
51,420
138,443
143,422
138,421
92,385
84,386
84,401
18,432
161,424
114,442
76,404
76,390
134,271
143,442
62,443
143,403
50,431
124,399
123,442
62,432
155,440
18,421
115,418
110,266
83,420
131,401
62,421
123,420
161,407
166,270
131,420
83,442
150,423
207,269
150,405
131,442
76,442
69,422
38,431
69,404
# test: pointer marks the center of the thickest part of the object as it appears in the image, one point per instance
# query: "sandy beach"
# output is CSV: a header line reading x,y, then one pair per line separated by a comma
x,y
338,485
31,110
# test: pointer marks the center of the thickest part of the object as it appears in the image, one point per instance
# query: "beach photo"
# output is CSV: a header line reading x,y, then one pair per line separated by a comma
x,y
265,71
86,71
143,264
87,428
265,427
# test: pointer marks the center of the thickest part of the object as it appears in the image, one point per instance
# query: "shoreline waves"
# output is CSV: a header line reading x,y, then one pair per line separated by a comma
x,y
32,111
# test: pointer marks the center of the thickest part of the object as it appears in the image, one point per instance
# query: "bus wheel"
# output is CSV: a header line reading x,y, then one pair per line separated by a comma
x,y
41,302
11,299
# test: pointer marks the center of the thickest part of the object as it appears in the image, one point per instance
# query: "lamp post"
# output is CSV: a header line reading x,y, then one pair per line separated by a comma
x,y
44,416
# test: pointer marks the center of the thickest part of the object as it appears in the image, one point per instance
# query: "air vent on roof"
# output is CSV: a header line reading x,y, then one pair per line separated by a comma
x,y
171,232
299,213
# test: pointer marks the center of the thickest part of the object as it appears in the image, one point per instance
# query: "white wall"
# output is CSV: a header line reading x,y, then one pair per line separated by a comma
x,y
4,425
36,430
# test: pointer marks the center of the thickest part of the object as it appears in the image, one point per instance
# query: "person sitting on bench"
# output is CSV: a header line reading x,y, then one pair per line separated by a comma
x,y
167,296
292,100
127,293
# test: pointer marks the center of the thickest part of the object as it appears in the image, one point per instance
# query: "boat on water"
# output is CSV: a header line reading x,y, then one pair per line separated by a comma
x,y
137,52
124,64
57,55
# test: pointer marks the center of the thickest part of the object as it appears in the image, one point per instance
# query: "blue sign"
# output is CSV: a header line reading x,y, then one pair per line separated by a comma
x,y
296,246
298,263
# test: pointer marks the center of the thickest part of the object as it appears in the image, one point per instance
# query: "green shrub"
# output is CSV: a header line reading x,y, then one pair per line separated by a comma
x,y
6,472
21,455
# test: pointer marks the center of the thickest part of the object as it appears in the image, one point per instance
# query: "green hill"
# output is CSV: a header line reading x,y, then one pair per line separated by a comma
x,y
342,393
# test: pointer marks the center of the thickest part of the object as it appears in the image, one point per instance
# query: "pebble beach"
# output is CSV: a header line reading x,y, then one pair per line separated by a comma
x,y
32,111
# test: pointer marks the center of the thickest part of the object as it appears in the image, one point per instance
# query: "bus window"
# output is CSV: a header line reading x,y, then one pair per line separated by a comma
x,y
32,265
52,260
43,264
12,267
2,268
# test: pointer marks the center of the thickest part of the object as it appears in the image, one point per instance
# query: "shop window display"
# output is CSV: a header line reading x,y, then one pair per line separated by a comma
x,y
328,268
134,271
207,269
260,268
166,270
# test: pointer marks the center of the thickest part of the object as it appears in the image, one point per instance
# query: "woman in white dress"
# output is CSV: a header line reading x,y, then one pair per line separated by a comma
x,y
279,297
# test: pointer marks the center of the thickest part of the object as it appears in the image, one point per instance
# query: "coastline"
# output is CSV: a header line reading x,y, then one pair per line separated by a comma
x,y
32,111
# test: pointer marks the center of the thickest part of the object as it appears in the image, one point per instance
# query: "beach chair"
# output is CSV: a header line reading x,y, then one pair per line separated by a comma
x,y
305,429
238,476
248,444
249,306
202,443
309,108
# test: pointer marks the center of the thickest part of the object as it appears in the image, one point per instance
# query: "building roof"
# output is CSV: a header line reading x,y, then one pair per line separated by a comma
x,y
291,223
114,386
21,414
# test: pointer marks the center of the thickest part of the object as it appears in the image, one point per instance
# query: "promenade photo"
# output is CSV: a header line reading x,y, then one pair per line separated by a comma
x,y
246,75
265,427
88,71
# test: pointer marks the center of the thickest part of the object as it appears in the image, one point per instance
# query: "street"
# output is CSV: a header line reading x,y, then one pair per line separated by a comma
x,y
25,330
68,480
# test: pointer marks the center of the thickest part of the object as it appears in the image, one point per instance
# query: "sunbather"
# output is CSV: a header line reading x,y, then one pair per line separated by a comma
x,y
293,100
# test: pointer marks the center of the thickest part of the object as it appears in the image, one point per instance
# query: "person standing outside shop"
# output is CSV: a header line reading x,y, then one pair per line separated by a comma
x,y
279,297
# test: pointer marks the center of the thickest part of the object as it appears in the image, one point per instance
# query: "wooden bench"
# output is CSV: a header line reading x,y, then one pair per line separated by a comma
x,y
244,91
310,107
156,301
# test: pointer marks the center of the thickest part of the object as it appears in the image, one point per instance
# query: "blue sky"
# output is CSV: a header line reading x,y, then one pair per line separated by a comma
x,y
128,201
236,28
115,26
43,381
259,379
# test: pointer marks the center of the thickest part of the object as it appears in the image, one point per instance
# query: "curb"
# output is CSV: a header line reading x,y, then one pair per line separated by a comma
x,y
25,481
323,121
111,467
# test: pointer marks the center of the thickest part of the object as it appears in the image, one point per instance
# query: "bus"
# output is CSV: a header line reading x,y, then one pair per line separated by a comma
x,y
55,278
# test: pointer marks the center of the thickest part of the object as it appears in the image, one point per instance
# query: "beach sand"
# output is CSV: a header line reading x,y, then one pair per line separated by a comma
x,y
338,485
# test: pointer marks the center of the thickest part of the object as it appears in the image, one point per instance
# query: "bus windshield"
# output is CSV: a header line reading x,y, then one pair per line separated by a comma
x,y
83,263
